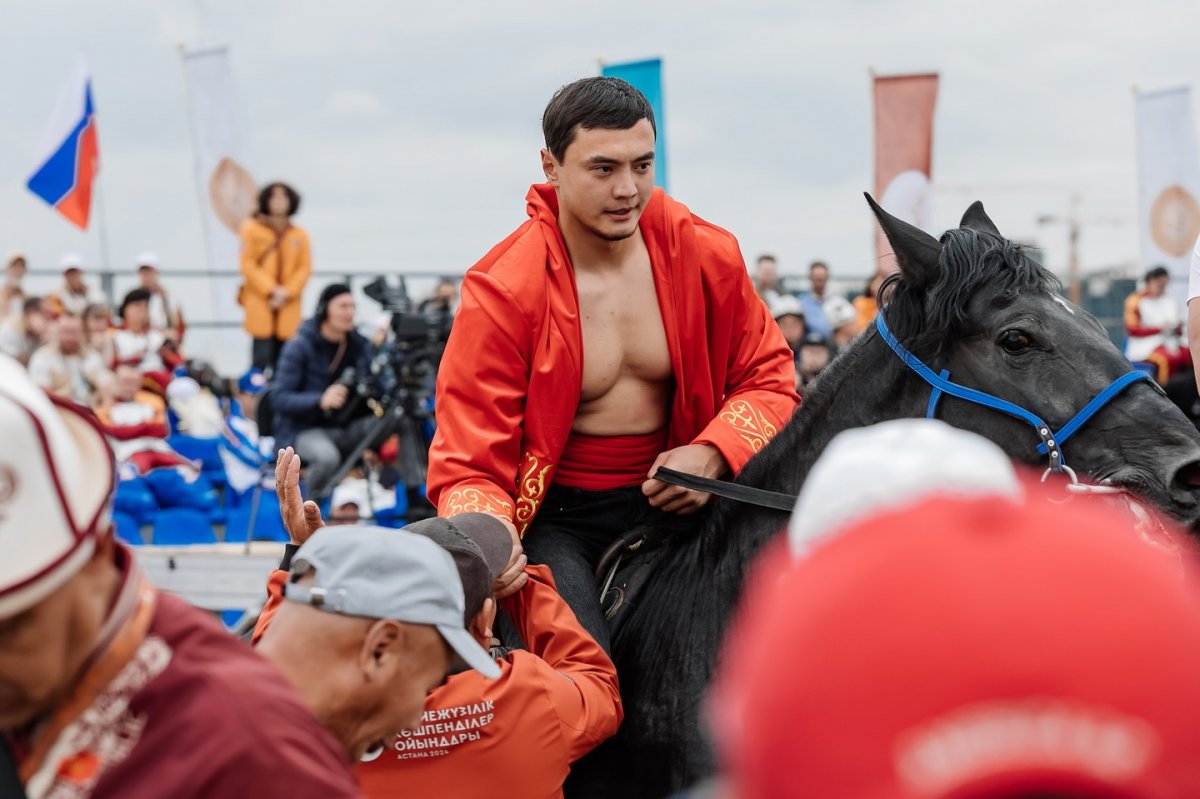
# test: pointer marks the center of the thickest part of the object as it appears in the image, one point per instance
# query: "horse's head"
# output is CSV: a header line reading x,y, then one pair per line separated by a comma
x,y
974,304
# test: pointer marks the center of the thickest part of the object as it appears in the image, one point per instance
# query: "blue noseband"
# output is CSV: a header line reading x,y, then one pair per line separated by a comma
x,y
1051,441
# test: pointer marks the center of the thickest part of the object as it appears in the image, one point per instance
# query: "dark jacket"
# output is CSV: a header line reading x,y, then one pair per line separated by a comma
x,y
306,368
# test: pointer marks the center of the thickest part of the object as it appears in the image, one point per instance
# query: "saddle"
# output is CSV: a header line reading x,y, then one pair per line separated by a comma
x,y
627,566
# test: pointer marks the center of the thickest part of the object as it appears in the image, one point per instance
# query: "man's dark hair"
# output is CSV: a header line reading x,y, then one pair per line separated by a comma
x,y
766,256
816,264
1157,272
606,103
264,198
31,304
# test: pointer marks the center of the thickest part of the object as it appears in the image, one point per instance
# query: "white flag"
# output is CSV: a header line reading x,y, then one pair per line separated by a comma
x,y
228,193
1169,178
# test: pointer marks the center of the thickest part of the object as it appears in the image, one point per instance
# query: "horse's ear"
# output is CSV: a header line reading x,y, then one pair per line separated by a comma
x,y
916,251
977,219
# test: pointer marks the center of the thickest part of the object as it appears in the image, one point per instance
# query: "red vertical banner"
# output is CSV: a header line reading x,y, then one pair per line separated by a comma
x,y
903,153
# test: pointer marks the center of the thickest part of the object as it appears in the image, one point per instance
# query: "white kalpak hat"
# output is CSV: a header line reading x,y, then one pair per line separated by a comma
x,y
57,477
871,470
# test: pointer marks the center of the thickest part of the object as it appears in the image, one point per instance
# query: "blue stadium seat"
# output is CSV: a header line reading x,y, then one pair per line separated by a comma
x,y
135,499
268,526
182,526
205,450
128,529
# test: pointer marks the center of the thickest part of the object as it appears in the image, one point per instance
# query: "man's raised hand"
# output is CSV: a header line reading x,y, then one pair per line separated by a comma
x,y
301,519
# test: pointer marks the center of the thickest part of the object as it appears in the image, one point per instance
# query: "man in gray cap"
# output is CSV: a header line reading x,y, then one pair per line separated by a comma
x,y
551,704
372,622
109,688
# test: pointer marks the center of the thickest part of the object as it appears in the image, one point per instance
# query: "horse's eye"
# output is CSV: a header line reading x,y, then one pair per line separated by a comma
x,y
1015,341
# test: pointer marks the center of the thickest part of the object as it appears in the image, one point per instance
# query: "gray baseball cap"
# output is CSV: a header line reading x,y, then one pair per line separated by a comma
x,y
379,573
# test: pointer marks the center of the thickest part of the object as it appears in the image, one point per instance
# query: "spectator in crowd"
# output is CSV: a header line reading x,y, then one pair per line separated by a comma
x,y
814,356
66,366
12,293
98,327
276,263
132,412
445,298
139,344
310,393
108,687
165,314
1155,326
561,689
243,451
867,303
790,318
982,694
813,301
766,279
366,622
22,334
75,295
843,320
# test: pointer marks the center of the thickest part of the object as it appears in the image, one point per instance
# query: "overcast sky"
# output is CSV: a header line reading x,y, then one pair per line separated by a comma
x,y
412,129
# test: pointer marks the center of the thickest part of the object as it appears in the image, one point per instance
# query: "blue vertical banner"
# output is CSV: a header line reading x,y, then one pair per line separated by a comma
x,y
646,77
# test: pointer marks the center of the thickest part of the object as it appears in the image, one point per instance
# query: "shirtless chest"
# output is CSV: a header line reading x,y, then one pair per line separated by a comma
x,y
624,341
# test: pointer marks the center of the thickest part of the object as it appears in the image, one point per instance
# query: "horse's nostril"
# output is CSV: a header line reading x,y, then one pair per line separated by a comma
x,y
1189,476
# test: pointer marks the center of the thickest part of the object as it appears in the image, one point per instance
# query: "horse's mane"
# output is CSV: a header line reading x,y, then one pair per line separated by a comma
x,y
929,318
926,317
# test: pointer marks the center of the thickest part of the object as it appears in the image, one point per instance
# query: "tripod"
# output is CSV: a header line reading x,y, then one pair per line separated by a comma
x,y
406,414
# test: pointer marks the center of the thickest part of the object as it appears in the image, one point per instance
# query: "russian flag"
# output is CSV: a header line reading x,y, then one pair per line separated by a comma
x,y
70,151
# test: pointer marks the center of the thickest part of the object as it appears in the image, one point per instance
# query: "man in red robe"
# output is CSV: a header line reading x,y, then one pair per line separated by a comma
x,y
612,333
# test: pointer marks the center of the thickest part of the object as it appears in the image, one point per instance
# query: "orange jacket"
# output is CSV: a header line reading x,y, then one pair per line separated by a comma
x,y
508,384
516,735
265,265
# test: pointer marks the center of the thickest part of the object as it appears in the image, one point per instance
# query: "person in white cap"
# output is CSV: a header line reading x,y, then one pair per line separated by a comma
x,y
843,320
12,293
75,295
165,314
109,688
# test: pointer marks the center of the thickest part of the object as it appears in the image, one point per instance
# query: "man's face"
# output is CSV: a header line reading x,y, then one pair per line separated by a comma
x,y
38,658
97,322
129,383
819,275
136,314
604,179
70,334
148,277
792,327
340,313
37,323
74,279
813,358
765,273
425,666
15,271
1155,286
446,292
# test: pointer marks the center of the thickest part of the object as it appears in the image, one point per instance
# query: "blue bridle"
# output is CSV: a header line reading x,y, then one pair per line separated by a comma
x,y
1052,441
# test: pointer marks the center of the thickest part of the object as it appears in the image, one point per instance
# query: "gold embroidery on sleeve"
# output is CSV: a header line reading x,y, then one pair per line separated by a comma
x,y
749,423
472,500
530,490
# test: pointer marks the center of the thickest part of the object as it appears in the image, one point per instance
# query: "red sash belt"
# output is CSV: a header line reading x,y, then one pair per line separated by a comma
x,y
602,463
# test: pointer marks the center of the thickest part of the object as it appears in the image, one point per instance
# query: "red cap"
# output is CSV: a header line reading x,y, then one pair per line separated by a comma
x,y
967,648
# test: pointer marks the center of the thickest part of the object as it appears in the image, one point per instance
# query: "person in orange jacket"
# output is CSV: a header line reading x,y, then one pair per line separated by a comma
x,y
276,263
552,703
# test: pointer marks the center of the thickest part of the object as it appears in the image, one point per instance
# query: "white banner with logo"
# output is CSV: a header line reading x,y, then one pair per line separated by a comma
x,y
228,193
1169,183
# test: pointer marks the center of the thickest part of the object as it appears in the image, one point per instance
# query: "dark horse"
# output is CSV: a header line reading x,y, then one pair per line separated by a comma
x,y
971,303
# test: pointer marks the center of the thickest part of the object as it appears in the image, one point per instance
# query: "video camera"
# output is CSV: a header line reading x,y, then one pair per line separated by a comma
x,y
404,369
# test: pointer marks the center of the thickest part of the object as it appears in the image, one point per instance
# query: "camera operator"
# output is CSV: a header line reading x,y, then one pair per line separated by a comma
x,y
313,392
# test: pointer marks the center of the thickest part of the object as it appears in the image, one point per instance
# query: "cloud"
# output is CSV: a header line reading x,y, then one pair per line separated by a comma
x,y
354,104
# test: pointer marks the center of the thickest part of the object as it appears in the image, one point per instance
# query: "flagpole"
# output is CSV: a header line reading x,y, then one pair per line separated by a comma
x,y
102,228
